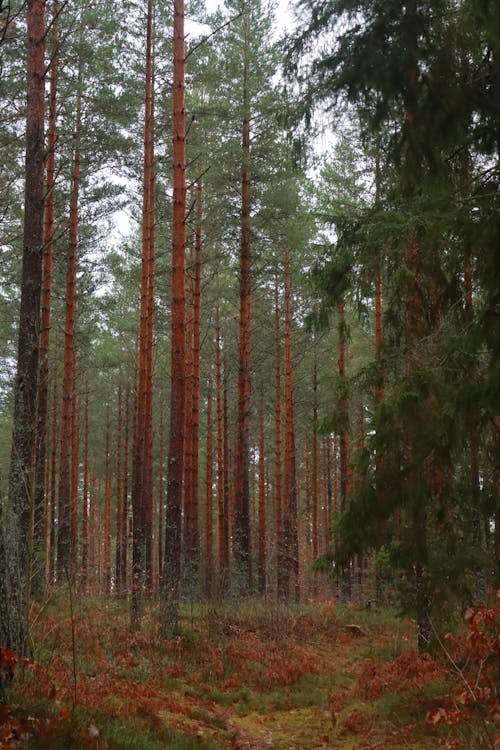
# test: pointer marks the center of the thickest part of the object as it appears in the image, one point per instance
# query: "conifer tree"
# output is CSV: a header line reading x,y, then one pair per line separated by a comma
x,y
169,599
18,514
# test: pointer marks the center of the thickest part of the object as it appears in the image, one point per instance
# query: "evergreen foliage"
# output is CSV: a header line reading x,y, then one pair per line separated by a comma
x,y
411,73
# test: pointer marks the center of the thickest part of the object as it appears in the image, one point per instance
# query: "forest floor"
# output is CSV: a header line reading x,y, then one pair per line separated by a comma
x,y
256,677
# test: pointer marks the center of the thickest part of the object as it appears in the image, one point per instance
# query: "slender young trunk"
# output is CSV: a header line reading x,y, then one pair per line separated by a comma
x,y
124,556
119,496
344,435
323,495
142,478
227,526
307,488
195,385
307,524
169,600
222,510
93,531
208,562
161,461
328,489
150,222
289,478
379,391
262,502
75,449
85,496
47,517
280,560
241,532
479,583
107,510
16,542
65,551
53,470
189,515
314,477
191,471
40,522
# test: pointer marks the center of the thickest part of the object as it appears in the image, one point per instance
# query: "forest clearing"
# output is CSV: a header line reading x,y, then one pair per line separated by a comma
x,y
252,677
250,374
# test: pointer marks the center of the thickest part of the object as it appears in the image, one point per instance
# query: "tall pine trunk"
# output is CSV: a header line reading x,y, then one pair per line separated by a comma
x,y
241,531
142,476
85,497
53,471
119,496
40,519
191,511
289,477
279,533
208,562
16,541
222,504
344,434
169,599
106,546
262,579
314,473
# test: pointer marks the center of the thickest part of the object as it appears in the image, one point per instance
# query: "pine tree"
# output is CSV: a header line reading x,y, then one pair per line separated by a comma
x,y
17,523
172,563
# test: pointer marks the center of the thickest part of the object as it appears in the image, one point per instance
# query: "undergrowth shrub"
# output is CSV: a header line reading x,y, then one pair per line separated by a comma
x,y
473,714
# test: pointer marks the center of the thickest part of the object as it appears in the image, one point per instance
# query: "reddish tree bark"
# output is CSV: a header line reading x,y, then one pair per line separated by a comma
x,y
172,562
41,496
15,545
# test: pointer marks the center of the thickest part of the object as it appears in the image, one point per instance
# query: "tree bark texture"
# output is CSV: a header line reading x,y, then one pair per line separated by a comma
x,y
142,473
40,520
241,531
172,561
262,566
208,562
289,476
17,523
